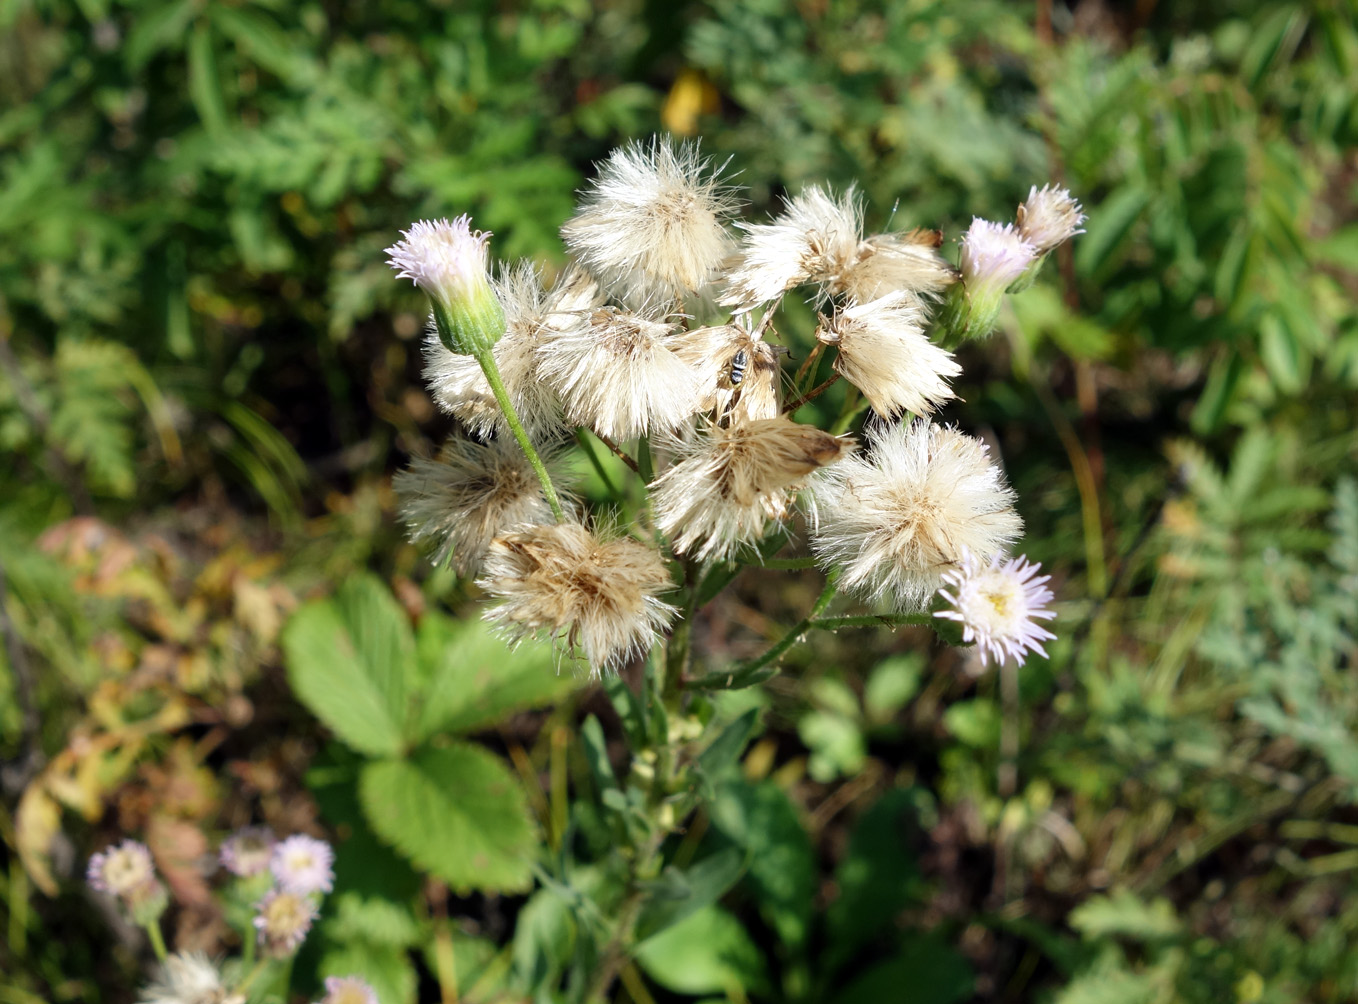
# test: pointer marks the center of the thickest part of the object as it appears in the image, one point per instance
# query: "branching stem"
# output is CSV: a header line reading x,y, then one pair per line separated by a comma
x,y
486,358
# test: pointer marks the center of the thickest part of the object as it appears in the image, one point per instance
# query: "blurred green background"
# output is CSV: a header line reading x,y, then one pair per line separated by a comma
x,y
208,376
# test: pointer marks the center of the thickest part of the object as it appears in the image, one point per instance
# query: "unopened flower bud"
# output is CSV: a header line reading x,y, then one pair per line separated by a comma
x,y
993,256
448,261
1049,218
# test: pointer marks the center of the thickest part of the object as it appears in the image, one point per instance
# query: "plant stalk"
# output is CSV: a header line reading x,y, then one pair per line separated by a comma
x,y
486,358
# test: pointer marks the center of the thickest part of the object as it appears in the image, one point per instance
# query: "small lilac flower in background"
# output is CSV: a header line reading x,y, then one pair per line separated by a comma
x,y
302,864
283,919
996,604
248,851
348,990
121,870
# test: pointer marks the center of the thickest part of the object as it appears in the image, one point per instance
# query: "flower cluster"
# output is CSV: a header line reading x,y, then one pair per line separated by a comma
x,y
662,331
288,878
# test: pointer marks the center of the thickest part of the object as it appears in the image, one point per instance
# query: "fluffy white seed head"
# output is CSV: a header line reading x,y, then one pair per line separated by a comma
x,y
600,597
532,315
900,516
997,604
446,260
1051,216
815,239
469,495
731,481
738,376
188,978
884,352
993,256
652,226
615,371
906,263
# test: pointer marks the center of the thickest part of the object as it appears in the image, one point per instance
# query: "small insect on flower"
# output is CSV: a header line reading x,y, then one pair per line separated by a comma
x,y
897,518
996,604
737,371
1050,217
248,851
616,372
884,352
303,864
652,226
348,990
188,978
737,374
121,869
567,583
471,493
731,481
283,920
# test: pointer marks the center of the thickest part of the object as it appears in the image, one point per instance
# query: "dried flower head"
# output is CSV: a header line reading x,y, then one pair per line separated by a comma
x,y
652,226
1051,216
457,382
283,920
996,604
813,240
471,493
616,372
731,481
303,864
348,990
993,256
123,870
737,374
564,582
188,978
907,263
448,261
248,851
898,518
884,352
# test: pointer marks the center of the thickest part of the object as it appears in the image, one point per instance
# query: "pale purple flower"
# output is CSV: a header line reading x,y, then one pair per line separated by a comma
x,y
248,851
993,256
446,260
348,990
283,919
303,864
122,870
996,604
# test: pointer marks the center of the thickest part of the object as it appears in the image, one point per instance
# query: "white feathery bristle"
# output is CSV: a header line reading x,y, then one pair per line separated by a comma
x,y
813,240
997,604
901,515
188,978
1050,217
729,482
993,255
652,225
884,352
469,495
446,260
457,382
711,354
584,592
615,372
896,263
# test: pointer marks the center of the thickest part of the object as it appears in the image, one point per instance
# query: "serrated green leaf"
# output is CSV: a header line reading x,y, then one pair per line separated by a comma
x,y
457,812
372,920
472,678
710,952
1124,913
347,659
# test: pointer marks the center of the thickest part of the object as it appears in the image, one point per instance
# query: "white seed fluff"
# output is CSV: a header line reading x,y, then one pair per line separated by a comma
x,y
188,978
1051,216
900,516
884,352
652,225
996,604
896,263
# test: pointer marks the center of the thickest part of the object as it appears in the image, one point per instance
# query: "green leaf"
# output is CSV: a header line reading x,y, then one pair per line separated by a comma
x,y
159,28
473,679
373,920
1216,397
1282,354
456,812
1124,913
544,939
975,722
596,755
935,972
782,872
261,38
724,751
1108,226
679,893
710,952
205,85
892,684
347,660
